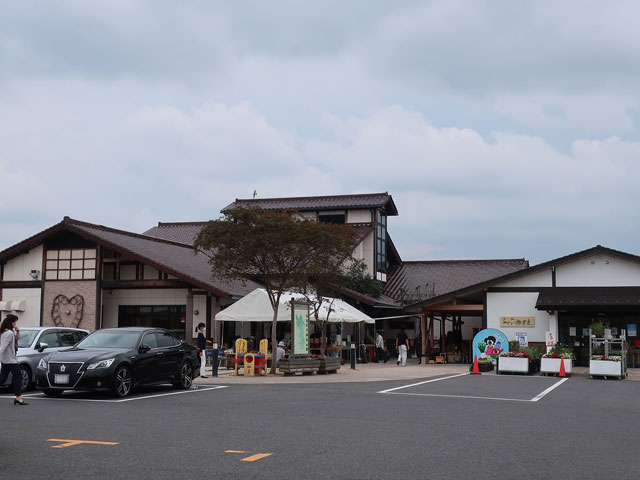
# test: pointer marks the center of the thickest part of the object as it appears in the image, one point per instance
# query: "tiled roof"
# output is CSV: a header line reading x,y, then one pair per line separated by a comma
x,y
325,202
174,258
416,281
183,232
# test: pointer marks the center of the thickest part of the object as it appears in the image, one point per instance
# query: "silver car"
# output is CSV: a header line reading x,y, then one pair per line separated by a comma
x,y
36,342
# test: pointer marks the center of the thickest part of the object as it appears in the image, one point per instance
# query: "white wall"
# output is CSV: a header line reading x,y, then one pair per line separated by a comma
x,y
598,271
200,304
537,279
31,315
111,301
359,216
519,304
18,268
367,253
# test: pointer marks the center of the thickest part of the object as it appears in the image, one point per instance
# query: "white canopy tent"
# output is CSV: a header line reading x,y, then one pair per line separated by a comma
x,y
256,307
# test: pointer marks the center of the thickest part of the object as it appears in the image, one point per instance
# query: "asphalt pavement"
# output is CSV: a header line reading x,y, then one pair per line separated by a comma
x,y
458,426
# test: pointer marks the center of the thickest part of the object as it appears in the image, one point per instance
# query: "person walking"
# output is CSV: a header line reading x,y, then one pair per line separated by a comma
x,y
202,346
402,345
380,353
9,334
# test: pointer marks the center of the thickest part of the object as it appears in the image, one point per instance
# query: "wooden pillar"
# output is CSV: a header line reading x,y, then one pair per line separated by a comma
x,y
189,319
431,334
443,319
423,333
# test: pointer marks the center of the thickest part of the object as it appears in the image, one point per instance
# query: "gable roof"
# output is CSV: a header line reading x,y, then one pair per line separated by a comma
x,y
422,280
598,249
177,259
325,202
183,232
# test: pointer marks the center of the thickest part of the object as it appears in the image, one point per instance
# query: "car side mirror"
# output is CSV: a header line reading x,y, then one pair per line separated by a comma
x,y
144,348
41,346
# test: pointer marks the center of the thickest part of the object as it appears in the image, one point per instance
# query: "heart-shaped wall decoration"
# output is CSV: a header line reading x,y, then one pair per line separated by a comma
x,y
67,312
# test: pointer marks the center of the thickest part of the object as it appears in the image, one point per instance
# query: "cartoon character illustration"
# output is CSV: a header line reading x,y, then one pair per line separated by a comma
x,y
494,347
482,347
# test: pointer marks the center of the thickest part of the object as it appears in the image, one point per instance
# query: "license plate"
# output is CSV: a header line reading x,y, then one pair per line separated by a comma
x,y
61,378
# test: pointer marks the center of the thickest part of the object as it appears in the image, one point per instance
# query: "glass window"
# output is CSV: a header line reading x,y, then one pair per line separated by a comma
x,y
150,340
26,337
69,339
50,338
110,339
165,340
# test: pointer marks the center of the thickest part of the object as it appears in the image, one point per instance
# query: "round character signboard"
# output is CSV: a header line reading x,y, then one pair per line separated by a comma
x,y
489,343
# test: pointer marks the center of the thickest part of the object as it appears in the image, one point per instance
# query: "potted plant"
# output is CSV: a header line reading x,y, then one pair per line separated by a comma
x,y
534,358
484,365
513,362
550,362
603,366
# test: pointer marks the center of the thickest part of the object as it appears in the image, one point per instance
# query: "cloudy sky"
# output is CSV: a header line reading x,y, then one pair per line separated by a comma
x,y
503,129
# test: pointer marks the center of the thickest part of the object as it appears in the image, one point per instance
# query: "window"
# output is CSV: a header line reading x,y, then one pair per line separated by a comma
x,y
381,242
165,340
71,264
337,218
69,339
50,338
150,340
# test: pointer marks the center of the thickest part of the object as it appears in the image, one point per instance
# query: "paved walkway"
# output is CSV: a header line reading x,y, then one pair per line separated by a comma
x,y
366,372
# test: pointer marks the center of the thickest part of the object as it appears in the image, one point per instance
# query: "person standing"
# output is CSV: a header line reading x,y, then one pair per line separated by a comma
x,y
417,345
380,353
402,345
280,352
9,334
202,346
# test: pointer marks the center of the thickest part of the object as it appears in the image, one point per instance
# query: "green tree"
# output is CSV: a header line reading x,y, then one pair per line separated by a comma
x,y
356,277
281,249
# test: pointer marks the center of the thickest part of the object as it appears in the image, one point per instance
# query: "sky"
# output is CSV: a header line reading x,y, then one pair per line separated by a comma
x,y
502,129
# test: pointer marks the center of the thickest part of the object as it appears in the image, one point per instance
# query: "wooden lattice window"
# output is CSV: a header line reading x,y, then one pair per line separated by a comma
x,y
73,264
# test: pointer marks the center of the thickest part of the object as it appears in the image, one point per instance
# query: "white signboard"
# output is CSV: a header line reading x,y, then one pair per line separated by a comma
x,y
522,338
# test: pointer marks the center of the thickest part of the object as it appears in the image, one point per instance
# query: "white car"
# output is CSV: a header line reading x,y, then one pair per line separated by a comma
x,y
37,342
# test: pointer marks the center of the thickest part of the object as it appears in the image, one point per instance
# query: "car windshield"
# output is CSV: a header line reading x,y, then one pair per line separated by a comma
x,y
110,339
26,337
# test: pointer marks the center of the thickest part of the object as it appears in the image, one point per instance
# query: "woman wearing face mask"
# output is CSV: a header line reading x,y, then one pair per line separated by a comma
x,y
9,333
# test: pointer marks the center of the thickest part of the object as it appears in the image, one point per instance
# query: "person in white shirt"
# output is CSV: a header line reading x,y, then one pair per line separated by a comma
x,y
9,334
280,352
380,353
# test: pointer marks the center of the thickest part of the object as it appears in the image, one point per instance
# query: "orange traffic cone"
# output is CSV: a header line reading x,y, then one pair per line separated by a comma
x,y
476,368
562,372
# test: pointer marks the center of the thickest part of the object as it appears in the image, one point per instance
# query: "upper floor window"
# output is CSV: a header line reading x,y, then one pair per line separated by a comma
x,y
71,264
338,218
381,242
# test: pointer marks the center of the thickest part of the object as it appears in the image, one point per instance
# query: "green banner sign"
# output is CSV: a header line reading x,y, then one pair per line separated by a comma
x,y
300,328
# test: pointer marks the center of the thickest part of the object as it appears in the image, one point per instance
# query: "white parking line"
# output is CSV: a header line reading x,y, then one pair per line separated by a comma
x,y
548,390
422,383
392,391
40,396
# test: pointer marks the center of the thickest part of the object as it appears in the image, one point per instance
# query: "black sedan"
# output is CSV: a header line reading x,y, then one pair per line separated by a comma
x,y
119,359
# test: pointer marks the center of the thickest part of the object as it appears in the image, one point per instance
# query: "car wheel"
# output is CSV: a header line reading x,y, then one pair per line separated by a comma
x,y
25,373
185,376
52,393
122,382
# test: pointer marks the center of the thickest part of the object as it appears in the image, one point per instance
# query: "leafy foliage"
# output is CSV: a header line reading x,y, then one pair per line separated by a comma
x,y
279,248
356,277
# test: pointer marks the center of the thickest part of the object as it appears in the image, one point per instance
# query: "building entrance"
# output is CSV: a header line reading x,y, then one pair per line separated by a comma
x,y
171,317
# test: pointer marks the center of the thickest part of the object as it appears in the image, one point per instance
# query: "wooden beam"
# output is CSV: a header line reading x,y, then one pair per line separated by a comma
x,y
454,308
21,283
120,284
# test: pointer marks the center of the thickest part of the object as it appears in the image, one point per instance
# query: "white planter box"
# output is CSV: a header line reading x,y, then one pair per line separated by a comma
x,y
513,364
607,368
552,365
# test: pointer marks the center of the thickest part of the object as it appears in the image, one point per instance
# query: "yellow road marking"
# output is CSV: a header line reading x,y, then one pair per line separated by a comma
x,y
71,443
253,458
234,451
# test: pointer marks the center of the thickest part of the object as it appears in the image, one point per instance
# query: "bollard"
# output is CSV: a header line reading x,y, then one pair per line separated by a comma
x,y
214,361
353,356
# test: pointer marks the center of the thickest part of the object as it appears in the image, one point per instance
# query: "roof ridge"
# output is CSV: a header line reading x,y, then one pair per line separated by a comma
x,y
80,223
177,224
313,197
471,260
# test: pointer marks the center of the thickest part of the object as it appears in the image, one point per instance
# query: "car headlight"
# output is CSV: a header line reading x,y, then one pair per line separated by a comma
x,y
42,363
101,364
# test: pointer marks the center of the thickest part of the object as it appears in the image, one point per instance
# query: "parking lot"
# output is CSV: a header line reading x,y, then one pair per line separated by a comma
x,y
453,426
